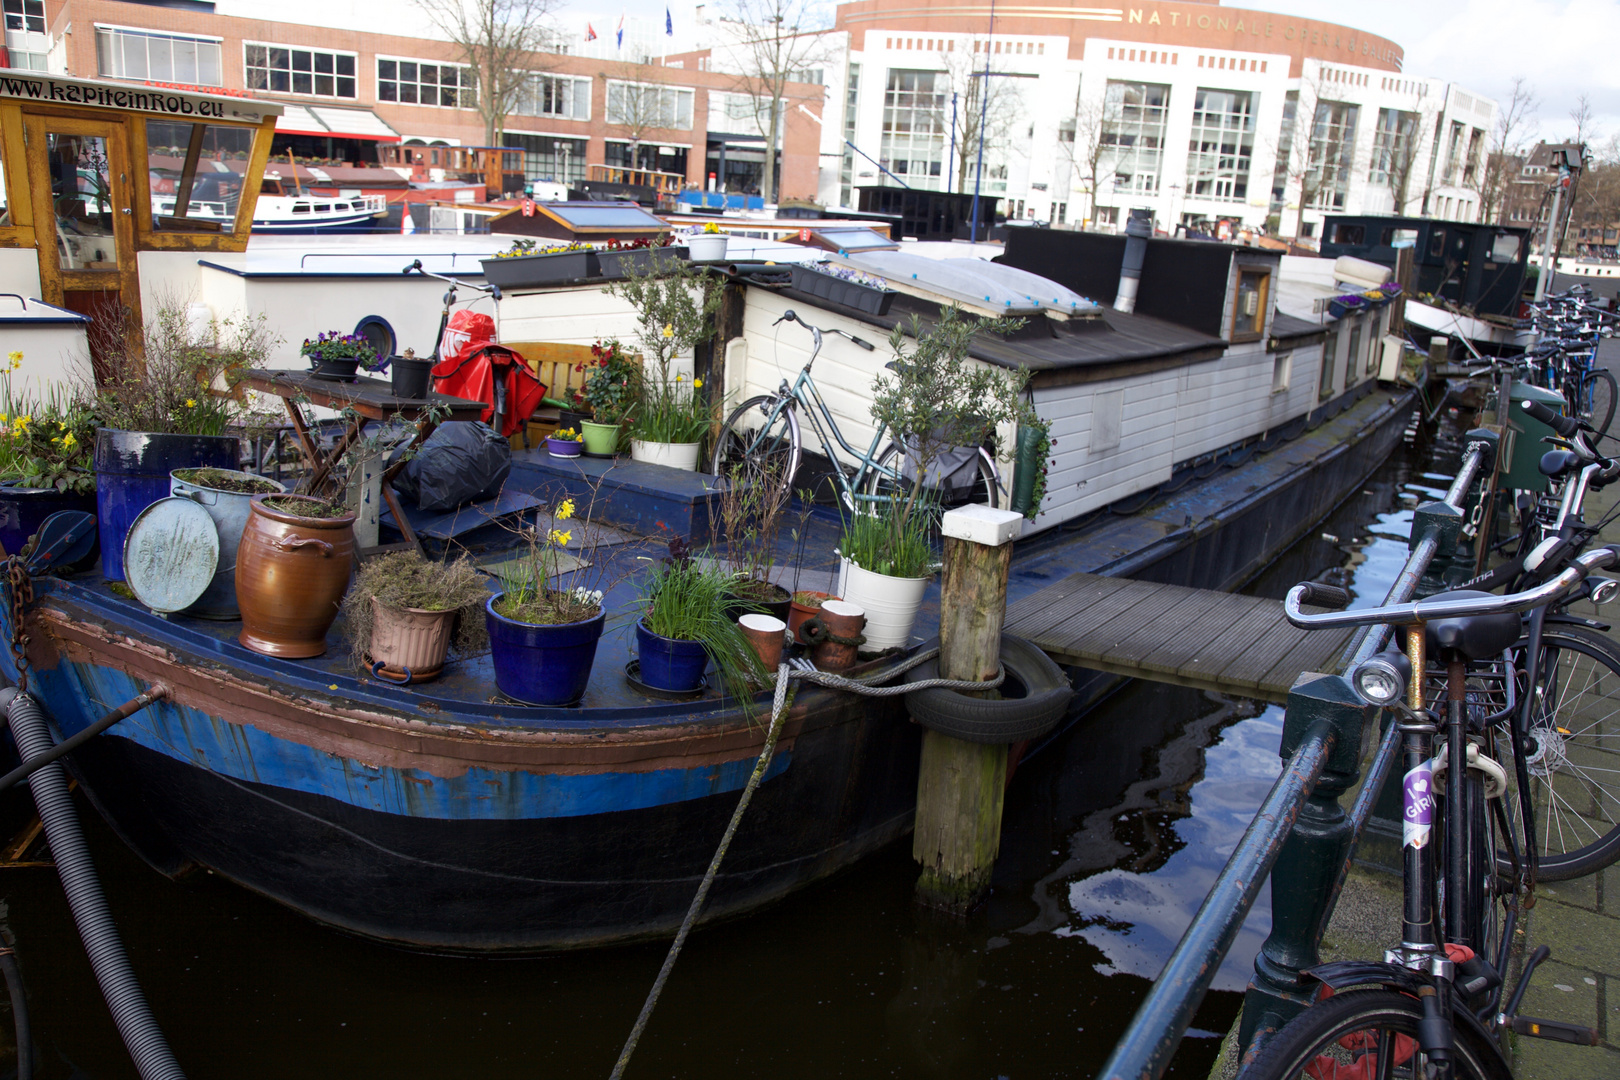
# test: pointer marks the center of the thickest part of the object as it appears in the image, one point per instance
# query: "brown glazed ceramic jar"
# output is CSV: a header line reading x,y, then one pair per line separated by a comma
x,y
291,574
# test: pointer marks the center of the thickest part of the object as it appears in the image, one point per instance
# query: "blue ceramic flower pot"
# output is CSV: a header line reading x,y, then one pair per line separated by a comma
x,y
542,665
132,473
23,510
670,663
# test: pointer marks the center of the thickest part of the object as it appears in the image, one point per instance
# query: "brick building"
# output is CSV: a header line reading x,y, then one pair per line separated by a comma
x,y
346,90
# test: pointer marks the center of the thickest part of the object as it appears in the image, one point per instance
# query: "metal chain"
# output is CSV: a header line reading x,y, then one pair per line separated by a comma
x,y
19,597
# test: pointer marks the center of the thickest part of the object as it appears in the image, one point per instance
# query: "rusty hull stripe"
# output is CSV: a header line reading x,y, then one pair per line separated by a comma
x,y
382,739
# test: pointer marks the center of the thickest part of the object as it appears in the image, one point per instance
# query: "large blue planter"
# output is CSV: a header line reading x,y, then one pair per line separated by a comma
x,y
541,665
132,473
670,663
23,509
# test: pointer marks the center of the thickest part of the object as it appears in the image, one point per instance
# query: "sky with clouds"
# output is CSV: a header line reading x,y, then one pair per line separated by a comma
x,y
1562,48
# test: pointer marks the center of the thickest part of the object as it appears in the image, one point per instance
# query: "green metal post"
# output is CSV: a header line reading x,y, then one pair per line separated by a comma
x,y
1445,523
1303,883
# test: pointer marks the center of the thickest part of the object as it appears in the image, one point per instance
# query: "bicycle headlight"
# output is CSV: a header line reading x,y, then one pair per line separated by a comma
x,y
1382,679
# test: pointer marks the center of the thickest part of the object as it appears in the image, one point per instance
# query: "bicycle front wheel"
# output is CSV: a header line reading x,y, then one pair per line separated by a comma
x,y
1572,755
1334,1039
1598,398
760,441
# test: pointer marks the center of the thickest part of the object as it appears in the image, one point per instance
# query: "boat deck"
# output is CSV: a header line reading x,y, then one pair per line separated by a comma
x,y
1210,640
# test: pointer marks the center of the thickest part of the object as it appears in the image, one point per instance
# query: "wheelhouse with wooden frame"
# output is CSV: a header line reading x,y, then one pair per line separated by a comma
x,y
84,165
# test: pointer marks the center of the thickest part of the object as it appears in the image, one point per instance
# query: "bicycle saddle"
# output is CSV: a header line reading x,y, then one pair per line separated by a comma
x,y
1476,637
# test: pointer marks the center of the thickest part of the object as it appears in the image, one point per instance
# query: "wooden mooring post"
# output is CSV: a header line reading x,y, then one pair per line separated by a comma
x,y
960,785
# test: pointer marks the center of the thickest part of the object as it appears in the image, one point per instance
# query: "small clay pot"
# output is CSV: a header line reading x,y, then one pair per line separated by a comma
x,y
291,574
798,613
837,619
408,644
766,634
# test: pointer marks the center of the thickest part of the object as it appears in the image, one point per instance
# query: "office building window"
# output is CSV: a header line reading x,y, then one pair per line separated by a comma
x,y
646,105
914,126
415,82
846,164
551,95
1133,136
1394,149
141,54
1222,145
548,158
282,69
26,15
1333,148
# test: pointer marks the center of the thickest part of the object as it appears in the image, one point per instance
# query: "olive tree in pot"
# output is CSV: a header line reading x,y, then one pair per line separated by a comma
x,y
940,400
675,308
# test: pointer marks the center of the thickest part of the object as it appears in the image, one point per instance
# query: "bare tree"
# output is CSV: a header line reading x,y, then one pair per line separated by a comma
x,y
1317,148
988,108
1513,129
498,40
639,107
1585,124
776,43
1397,151
1090,162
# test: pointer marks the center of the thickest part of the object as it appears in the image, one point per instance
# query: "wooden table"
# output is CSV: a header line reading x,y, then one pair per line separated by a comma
x,y
362,401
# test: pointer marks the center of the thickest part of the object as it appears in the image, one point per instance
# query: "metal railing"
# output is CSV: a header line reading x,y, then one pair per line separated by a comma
x,y
1321,741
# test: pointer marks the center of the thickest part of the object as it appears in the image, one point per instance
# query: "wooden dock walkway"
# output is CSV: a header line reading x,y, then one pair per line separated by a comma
x,y
1239,645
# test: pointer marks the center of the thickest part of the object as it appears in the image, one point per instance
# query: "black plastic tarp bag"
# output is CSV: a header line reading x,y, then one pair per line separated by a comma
x,y
460,462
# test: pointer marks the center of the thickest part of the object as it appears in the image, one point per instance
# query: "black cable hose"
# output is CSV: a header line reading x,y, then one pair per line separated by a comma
x,y
19,1012
151,1053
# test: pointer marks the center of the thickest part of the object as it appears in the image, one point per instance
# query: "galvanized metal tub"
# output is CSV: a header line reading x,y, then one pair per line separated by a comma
x,y
229,509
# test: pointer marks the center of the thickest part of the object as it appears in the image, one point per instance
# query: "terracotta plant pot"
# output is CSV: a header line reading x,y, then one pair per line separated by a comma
x,y
798,612
408,644
765,634
291,574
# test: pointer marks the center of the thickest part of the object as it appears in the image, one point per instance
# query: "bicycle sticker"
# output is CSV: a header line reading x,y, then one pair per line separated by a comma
x,y
1417,805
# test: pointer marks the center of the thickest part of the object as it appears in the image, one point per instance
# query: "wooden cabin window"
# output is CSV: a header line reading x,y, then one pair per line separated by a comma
x,y
195,174
1249,304
1353,360
1330,359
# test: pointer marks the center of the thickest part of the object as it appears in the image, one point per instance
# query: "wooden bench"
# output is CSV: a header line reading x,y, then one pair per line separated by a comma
x,y
554,364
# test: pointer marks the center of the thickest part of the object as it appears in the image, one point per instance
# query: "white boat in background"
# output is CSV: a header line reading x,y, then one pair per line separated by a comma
x,y
213,199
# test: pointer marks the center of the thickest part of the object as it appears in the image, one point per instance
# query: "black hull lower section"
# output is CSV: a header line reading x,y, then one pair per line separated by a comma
x,y
517,885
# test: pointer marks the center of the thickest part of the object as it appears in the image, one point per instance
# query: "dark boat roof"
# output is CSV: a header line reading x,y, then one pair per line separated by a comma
x,y
1285,327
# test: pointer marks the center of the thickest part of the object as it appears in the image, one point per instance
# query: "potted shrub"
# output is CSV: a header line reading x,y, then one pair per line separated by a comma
x,y
227,495
545,622
687,622
404,611
526,264
706,242
609,392
675,310
292,569
338,356
888,558
166,407
564,442
45,447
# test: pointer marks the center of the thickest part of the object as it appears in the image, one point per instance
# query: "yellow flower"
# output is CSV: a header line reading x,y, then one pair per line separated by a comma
x,y
15,356
565,510
191,403
669,330
561,538
697,384
332,687
69,442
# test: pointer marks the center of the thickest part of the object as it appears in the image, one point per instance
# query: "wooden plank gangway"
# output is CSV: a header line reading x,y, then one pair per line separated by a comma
x,y
1239,645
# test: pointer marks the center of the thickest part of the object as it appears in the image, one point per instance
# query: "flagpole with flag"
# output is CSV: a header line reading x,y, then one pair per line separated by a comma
x,y
619,36
590,32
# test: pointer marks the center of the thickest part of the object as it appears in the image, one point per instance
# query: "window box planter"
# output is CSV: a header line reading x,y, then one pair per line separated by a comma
x,y
1340,306
838,291
613,264
530,270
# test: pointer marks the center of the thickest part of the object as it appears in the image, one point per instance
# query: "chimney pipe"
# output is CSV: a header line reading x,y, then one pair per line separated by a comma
x,y
1137,230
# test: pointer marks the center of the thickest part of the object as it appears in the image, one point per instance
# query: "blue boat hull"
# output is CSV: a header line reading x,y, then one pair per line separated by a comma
x,y
599,840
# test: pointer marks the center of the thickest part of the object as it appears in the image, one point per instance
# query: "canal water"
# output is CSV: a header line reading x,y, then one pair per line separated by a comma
x,y
1112,835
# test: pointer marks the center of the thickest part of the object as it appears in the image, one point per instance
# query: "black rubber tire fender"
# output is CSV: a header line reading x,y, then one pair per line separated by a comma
x,y
1047,694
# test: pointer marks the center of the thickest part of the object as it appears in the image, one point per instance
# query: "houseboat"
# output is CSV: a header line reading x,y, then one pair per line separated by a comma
x,y
1194,437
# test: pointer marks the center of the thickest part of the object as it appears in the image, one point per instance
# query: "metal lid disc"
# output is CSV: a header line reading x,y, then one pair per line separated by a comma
x,y
170,554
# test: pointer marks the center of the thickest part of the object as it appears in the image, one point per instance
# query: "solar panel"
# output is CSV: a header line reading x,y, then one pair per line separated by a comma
x,y
604,216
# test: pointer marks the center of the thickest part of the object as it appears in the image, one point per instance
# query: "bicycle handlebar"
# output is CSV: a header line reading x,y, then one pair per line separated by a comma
x,y
416,267
792,316
1421,611
1567,426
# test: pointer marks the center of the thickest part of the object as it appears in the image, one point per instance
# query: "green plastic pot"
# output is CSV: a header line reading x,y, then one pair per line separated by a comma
x,y
600,438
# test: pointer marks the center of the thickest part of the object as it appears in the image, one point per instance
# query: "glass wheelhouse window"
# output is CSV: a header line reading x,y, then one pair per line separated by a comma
x,y
1249,305
547,158
416,82
194,172
282,69
152,57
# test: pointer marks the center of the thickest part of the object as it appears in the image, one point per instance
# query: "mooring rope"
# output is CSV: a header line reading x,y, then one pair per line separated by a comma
x,y
784,675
